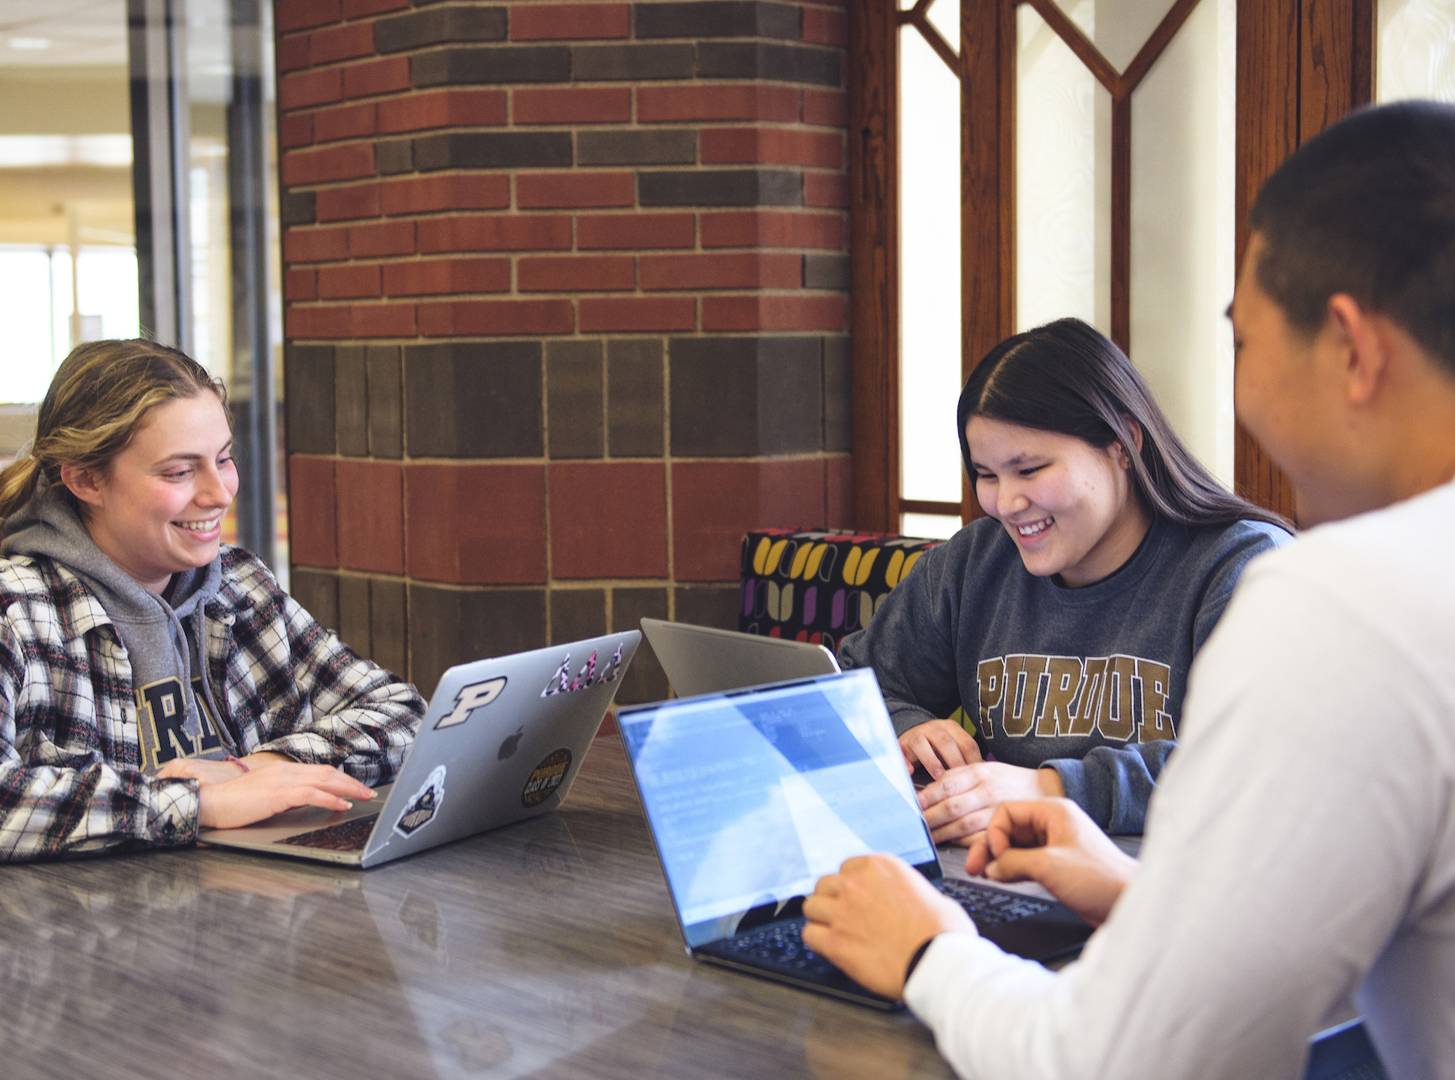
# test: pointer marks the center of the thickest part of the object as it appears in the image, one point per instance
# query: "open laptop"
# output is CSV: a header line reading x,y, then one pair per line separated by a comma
x,y
703,660
753,795
503,740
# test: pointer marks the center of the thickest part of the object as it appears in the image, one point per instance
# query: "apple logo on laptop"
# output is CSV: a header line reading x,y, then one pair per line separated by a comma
x,y
509,746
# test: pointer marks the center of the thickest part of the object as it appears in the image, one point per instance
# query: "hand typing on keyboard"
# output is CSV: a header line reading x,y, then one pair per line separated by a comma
x,y
872,915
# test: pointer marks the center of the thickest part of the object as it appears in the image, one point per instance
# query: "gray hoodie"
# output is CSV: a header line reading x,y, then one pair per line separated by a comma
x,y
163,636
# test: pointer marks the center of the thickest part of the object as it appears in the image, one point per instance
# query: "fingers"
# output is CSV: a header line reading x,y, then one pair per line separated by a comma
x,y
979,855
1020,864
947,746
961,828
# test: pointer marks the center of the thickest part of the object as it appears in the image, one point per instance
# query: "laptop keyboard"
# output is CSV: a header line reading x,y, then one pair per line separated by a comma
x,y
349,835
780,944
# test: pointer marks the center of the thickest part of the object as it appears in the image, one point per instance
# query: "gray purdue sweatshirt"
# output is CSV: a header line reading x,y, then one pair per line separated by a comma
x,y
1087,681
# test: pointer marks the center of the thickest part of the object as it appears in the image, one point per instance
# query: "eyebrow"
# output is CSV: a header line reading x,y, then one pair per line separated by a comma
x,y
1019,459
194,457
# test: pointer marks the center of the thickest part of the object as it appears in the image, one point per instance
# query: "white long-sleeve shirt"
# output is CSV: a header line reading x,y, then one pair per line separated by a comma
x,y
1300,848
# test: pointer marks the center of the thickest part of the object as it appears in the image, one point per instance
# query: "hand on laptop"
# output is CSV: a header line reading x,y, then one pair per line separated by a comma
x,y
938,745
1053,842
206,771
960,803
872,915
264,792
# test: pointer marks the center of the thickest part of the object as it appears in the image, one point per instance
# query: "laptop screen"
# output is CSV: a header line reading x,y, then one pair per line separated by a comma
x,y
754,795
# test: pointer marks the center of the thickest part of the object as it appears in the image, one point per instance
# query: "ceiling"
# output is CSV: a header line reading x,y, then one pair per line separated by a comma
x,y
46,33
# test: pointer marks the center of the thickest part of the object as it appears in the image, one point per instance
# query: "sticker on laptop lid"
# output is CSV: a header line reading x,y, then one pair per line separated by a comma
x,y
472,697
562,683
421,809
546,777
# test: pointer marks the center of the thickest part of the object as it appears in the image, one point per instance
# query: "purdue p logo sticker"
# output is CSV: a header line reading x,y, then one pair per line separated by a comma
x,y
421,809
472,697
546,777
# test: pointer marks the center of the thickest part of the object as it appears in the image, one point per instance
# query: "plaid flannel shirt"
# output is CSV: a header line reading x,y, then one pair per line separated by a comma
x,y
70,764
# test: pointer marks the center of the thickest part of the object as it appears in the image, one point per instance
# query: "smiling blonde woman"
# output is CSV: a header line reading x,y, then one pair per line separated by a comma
x,y
1066,620
153,679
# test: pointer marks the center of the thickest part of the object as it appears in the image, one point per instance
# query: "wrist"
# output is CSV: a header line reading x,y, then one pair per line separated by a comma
x,y
1049,781
919,954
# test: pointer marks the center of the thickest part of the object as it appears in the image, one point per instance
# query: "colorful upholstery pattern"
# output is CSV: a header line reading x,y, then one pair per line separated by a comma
x,y
819,586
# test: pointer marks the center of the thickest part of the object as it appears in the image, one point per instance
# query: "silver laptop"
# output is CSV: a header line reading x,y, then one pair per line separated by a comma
x,y
752,796
702,660
503,739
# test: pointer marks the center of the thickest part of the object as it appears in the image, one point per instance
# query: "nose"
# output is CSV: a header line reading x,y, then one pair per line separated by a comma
x,y
212,489
1009,499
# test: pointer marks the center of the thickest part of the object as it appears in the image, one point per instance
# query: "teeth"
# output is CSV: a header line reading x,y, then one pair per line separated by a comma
x,y
196,526
1034,528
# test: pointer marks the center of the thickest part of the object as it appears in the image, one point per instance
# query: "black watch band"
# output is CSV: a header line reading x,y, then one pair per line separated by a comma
x,y
919,954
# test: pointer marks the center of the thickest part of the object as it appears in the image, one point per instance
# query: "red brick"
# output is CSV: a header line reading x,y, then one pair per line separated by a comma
x,y
541,190
344,122
745,270
826,189
829,108
343,43
382,320
420,195
303,88
300,283
561,22
371,505
354,9
450,539
312,530
715,502
340,204
315,245
348,281
572,105
295,129
608,520
317,322
347,162
496,232
748,228
292,53
376,77
772,313
488,317
775,146
730,101
384,238
838,491
823,26
635,231
633,313
446,276
442,108
301,14
576,273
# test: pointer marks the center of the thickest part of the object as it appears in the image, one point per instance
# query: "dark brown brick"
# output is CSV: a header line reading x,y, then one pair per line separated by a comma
x,y
826,272
744,396
454,626
771,61
351,400
439,26
721,187
478,400
838,425
309,372
573,398
651,146
317,591
394,156
492,150
386,402
708,606
577,614
491,64
388,625
717,19
645,680
353,613
615,63
298,208
634,397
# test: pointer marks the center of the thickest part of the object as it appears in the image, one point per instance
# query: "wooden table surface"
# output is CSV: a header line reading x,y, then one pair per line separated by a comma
x,y
546,948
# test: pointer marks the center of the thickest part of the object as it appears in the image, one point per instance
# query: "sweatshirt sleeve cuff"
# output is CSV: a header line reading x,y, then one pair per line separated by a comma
x,y
952,965
172,811
1081,787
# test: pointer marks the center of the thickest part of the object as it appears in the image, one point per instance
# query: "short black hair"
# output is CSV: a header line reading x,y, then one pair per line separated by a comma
x,y
1367,208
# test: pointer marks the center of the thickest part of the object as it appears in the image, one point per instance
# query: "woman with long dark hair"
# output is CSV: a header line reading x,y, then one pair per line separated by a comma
x,y
1066,620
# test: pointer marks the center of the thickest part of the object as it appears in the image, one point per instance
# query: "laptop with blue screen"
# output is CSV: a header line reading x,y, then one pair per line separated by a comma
x,y
753,795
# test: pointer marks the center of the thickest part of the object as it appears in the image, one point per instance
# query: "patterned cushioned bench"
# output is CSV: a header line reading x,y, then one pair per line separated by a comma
x,y
817,586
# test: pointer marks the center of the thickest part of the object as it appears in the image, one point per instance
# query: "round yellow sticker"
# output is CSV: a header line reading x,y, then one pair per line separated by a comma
x,y
546,777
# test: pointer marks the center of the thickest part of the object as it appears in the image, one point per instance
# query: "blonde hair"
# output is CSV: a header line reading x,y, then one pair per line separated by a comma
x,y
100,395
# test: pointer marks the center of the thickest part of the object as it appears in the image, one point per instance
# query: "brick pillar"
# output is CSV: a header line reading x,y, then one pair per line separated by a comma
x,y
566,290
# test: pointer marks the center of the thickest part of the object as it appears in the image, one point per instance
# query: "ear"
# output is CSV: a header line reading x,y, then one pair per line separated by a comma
x,y
1136,430
82,483
1365,363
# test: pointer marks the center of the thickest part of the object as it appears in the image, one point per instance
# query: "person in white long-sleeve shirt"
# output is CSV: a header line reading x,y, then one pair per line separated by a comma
x,y
1300,850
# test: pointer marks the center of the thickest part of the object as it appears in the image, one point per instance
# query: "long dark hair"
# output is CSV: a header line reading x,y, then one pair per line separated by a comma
x,y
1066,377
